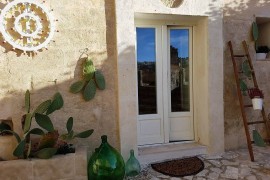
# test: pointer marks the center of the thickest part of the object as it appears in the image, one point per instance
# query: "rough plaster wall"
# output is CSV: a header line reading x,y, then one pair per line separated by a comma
x,y
238,18
82,24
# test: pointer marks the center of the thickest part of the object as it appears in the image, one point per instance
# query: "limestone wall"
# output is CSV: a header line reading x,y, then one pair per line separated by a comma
x,y
238,18
81,24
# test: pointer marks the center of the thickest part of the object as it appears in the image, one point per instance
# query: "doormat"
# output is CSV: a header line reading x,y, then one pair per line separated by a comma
x,y
180,167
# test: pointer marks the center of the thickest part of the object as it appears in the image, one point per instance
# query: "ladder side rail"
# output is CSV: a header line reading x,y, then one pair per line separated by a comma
x,y
250,64
241,103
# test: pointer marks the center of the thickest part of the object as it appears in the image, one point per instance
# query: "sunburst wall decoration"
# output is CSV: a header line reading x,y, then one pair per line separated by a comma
x,y
27,25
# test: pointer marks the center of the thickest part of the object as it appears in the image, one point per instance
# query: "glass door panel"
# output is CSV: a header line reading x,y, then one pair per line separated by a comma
x,y
179,68
146,69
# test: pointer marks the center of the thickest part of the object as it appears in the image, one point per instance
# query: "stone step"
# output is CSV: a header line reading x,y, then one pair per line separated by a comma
x,y
156,153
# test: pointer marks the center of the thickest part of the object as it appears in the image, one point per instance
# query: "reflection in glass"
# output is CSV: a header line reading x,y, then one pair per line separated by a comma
x,y
179,64
146,64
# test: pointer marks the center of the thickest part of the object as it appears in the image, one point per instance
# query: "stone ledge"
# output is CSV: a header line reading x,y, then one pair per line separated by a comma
x,y
69,166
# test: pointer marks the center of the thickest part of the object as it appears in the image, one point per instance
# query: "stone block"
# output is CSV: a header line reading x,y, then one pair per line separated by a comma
x,y
81,162
59,167
16,169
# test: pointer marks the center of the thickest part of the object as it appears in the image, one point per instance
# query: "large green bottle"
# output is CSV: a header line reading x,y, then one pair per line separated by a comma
x,y
106,163
133,166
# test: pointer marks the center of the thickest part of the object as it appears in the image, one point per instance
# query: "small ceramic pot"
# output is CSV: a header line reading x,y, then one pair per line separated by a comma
x,y
257,103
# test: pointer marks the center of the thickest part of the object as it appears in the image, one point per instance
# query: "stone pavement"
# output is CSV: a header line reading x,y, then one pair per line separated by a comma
x,y
230,165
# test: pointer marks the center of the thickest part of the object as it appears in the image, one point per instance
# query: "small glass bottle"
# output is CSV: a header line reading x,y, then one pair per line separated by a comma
x,y
133,166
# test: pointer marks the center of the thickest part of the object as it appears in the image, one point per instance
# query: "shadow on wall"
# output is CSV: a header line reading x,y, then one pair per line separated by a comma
x,y
238,18
100,114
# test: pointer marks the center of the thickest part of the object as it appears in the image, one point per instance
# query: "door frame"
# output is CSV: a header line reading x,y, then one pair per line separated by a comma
x,y
162,54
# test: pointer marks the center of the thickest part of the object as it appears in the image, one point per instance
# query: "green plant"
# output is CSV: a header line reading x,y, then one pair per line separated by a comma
x,y
255,33
71,134
47,146
92,79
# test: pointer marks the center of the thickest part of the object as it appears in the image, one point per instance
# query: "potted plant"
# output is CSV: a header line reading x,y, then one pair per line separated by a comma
x,y
48,142
256,96
261,52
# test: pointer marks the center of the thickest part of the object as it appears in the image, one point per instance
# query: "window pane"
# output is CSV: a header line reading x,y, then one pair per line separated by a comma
x,y
179,62
146,63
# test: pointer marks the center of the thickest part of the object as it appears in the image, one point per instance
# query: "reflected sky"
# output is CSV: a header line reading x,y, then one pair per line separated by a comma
x,y
179,39
146,45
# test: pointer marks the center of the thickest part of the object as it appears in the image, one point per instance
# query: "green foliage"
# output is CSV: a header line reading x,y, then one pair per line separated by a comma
x,y
70,135
93,79
255,31
44,121
27,122
46,153
246,69
89,91
243,87
56,104
77,86
88,69
258,139
100,80
69,124
19,151
27,101
84,134
43,107
48,141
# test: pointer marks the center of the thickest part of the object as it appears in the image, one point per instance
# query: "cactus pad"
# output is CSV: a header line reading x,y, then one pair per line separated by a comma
x,y
100,80
77,87
88,69
90,90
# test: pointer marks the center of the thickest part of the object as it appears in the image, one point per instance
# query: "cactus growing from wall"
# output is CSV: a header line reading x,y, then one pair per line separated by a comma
x,y
92,80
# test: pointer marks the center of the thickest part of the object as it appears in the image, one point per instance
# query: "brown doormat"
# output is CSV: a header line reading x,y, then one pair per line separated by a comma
x,y
180,167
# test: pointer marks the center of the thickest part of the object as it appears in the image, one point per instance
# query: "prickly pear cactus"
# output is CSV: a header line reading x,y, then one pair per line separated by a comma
x,y
92,79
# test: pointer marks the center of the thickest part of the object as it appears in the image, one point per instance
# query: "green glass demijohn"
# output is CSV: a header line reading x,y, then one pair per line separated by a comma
x,y
133,166
106,163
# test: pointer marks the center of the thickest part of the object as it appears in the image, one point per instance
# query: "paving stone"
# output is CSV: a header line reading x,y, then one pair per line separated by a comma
x,y
229,163
251,178
211,157
243,172
163,177
216,170
175,178
230,155
215,163
202,173
206,165
188,177
213,175
230,173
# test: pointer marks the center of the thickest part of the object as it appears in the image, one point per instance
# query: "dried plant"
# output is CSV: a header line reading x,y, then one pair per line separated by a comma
x,y
255,93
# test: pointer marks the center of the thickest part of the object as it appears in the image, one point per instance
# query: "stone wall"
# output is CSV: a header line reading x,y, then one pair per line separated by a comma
x,y
238,18
81,24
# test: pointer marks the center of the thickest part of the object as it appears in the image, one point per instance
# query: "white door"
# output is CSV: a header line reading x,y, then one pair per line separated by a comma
x,y
164,67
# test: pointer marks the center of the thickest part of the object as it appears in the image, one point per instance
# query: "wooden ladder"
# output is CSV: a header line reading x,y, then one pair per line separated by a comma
x,y
240,96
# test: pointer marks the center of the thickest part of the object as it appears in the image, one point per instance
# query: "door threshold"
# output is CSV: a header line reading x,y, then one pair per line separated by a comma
x,y
160,152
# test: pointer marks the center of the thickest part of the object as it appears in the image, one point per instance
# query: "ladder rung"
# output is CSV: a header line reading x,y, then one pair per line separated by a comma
x,y
248,105
240,55
255,122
